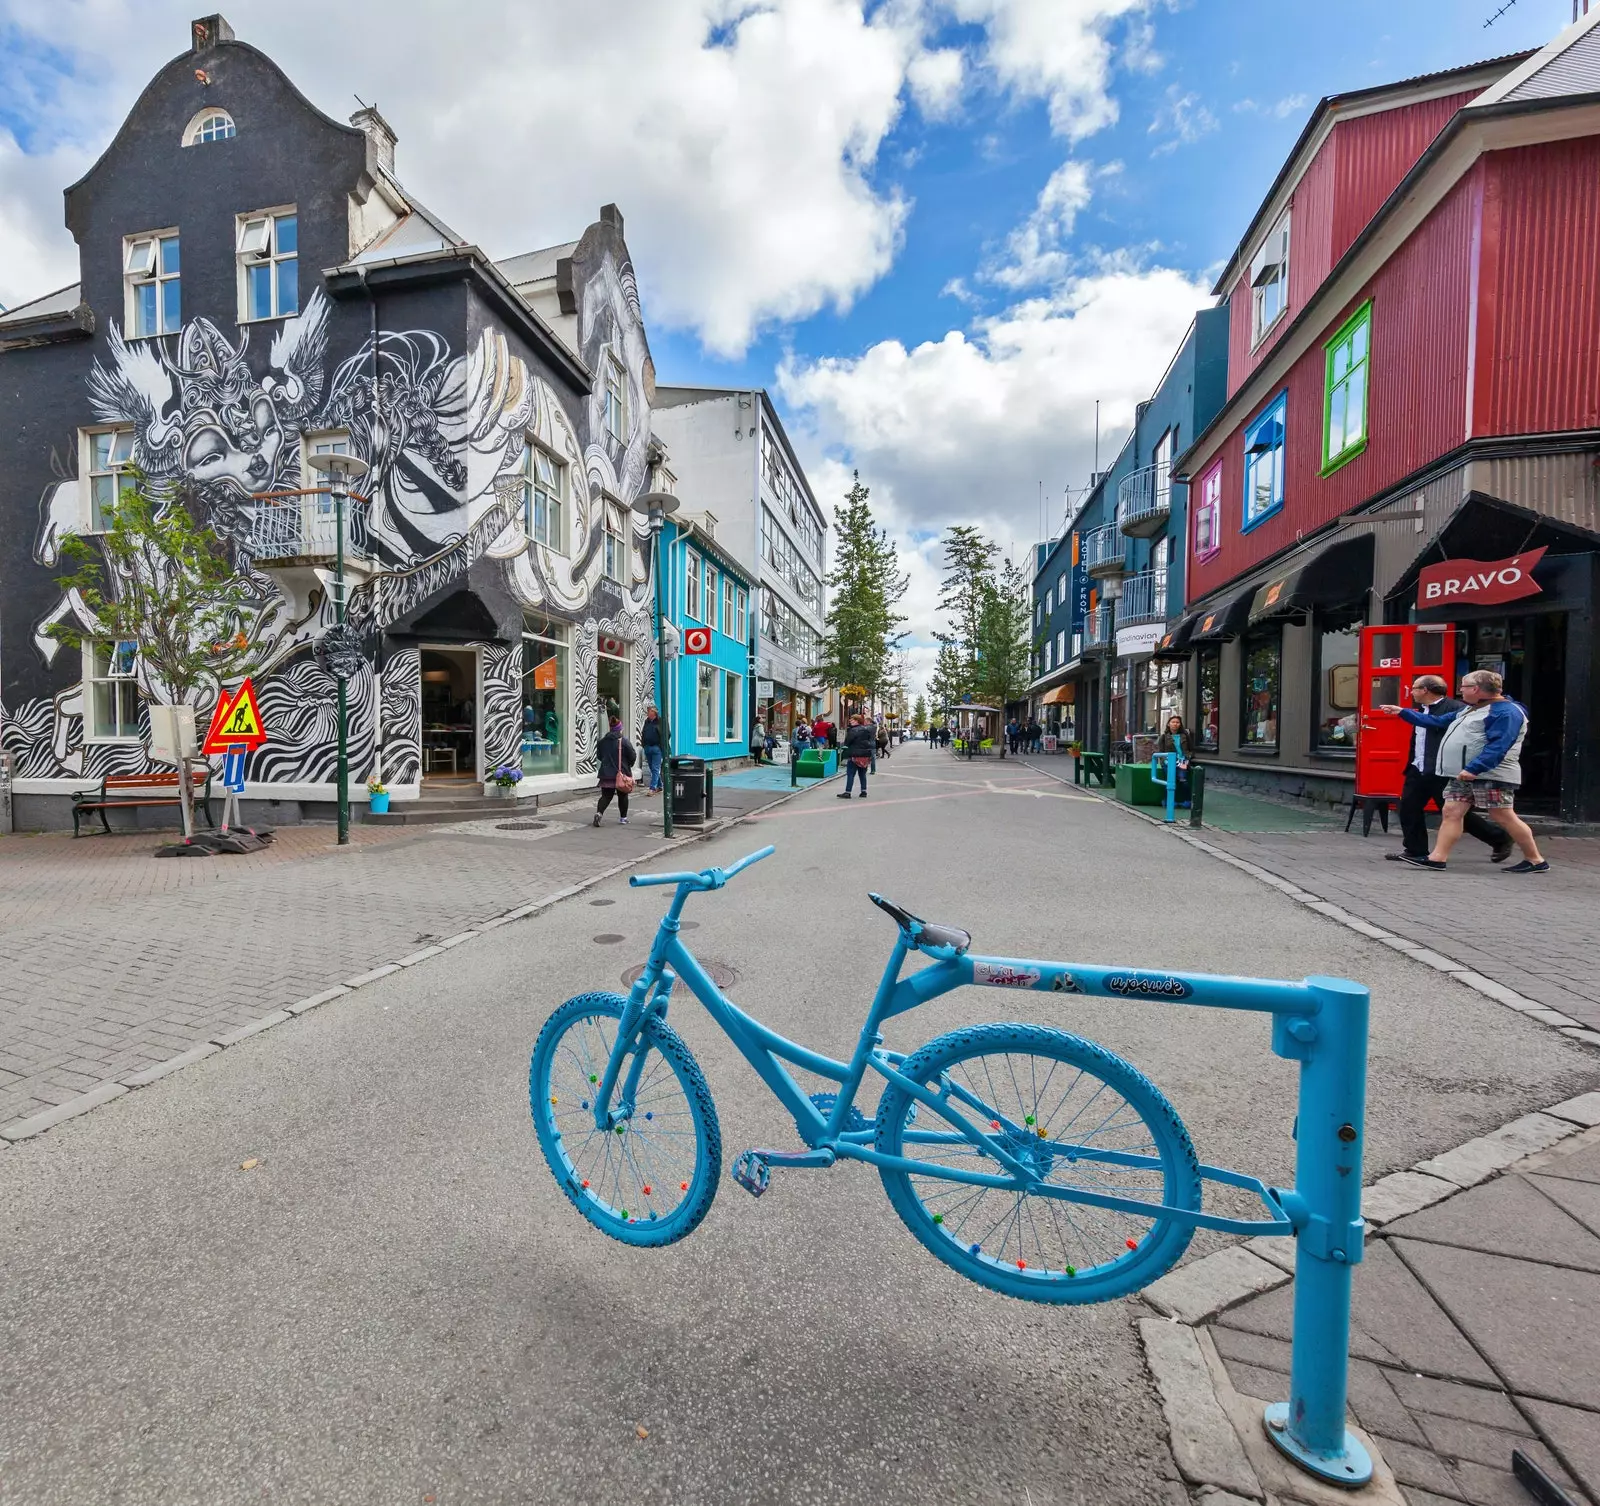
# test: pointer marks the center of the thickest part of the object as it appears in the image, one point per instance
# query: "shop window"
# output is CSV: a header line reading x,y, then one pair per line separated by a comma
x,y
705,703
269,265
1208,514
1119,707
1263,464
1344,428
1269,280
1208,698
111,708
1338,672
544,690
1160,695
1262,677
732,708
153,301
691,586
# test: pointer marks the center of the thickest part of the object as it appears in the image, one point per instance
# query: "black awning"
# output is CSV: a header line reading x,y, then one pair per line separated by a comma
x,y
1176,643
1226,619
1337,575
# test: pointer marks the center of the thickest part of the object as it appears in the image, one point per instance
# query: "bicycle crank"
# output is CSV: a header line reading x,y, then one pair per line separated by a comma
x,y
753,1169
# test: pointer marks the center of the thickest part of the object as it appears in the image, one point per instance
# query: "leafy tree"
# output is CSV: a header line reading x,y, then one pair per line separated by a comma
x,y
860,631
969,570
919,715
948,682
161,579
1005,639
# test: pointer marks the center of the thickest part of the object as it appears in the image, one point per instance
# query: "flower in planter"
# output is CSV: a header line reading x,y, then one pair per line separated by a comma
x,y
506,775
377,787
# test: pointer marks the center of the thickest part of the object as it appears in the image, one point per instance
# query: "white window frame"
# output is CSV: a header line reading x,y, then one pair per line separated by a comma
x,y
1269,281
142,267
256,244
732,707
1061,646
1047,660
706,677
93,520
193,132
730,597
322,442
713,579
1209,508
121,671
614,399
614,561
742,614
692,583
553,534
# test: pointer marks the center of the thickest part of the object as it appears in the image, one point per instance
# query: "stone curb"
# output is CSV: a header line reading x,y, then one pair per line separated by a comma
x,y
1460,971
1193,1294
37,1124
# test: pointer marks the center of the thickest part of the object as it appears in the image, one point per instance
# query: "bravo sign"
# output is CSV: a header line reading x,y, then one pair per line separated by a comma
x,y
1479,580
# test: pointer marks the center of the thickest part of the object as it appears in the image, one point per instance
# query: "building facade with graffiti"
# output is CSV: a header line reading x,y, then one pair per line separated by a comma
x,y
256,286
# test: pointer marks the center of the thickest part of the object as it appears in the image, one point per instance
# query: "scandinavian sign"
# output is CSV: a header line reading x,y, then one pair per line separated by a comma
x,y
1139,640
235,722
697,640
1478,580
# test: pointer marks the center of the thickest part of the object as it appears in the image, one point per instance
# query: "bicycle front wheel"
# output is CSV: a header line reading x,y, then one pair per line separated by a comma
x,y
650,1179
1078,1118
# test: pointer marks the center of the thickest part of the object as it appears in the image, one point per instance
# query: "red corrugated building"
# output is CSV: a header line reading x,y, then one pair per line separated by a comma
x,y
1414,376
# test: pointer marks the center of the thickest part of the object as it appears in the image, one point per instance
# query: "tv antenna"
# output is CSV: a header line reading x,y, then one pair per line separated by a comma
x,y
1497,15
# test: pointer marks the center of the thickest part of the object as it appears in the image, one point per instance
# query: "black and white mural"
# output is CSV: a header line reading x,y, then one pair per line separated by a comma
x,y
442,432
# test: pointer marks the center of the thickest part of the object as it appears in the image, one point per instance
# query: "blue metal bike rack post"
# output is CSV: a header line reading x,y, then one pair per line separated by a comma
x,y
1169,783
1325,1207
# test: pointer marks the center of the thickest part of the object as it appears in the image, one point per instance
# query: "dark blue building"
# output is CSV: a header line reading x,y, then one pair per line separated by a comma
x,y
1116,569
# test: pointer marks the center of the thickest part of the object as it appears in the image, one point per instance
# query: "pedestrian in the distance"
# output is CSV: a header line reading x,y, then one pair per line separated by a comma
x,y
882,739
1432,709
1480,756
617,758
650,742
1176,739
858,746
1011,737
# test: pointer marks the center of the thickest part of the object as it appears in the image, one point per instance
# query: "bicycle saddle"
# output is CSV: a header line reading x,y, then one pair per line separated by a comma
x,y
923,932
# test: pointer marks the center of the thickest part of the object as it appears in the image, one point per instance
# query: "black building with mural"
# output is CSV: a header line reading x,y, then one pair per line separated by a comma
x,y
257,286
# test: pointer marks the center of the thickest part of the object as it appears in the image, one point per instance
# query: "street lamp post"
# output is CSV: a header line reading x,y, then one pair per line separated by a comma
x,y
340,469
657,506
1110,590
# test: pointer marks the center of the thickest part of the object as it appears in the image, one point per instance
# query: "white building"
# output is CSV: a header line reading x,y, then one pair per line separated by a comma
x,y
734,461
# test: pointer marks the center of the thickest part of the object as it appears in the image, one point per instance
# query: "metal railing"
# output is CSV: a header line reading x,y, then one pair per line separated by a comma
x,y
1144,499
1144,598
1097,629
1103,550
306,528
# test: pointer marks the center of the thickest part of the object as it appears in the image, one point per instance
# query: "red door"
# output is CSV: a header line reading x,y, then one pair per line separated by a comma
x,y
1391,658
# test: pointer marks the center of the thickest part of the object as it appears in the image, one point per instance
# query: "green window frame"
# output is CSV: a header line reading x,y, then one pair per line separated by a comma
x,y
1344,412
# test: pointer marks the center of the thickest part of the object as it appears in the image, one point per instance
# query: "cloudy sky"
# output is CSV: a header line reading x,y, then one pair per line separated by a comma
x,y
937,230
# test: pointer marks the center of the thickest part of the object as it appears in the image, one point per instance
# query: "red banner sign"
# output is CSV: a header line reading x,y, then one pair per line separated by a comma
x,y
1479,580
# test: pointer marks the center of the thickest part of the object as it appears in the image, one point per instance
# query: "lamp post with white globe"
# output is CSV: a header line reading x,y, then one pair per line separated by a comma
x,y
657,507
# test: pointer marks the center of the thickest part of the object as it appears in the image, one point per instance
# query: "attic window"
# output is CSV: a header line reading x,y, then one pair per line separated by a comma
x,y
1269,280
209,125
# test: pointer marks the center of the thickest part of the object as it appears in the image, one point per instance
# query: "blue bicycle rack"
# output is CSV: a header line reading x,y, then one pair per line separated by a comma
x,y
1168,781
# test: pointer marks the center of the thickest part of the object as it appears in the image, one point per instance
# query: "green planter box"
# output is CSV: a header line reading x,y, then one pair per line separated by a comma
x,y
1136,787
818,764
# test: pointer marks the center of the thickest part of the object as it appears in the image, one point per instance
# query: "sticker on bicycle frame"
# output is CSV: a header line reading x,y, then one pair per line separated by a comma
x,y
1147,986
1003,975
1065,983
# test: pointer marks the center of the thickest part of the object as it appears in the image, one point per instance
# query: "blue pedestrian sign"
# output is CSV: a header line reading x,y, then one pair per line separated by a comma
x,y
233,768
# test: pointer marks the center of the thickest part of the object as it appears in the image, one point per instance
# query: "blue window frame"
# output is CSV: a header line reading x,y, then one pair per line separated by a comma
x,y
1263,464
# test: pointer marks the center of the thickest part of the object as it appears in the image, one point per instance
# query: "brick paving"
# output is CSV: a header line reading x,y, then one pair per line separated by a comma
x,y
112,960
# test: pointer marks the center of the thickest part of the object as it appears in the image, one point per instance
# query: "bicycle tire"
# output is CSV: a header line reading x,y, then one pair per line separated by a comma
x,y
1019,1262
647,1185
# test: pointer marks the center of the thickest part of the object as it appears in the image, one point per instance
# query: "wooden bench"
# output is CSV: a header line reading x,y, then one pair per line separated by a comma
x,y
117,791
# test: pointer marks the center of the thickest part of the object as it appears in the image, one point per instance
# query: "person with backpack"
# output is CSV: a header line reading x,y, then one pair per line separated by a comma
x,y
617,758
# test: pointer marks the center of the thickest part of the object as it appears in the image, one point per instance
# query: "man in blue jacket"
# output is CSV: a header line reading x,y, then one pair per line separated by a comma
x,y
1479,755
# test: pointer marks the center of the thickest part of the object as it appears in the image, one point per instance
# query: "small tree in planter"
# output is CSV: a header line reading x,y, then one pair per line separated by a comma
x,y
161,579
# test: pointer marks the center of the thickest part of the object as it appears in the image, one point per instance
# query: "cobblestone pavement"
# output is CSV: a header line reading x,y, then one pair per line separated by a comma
x,y
112,960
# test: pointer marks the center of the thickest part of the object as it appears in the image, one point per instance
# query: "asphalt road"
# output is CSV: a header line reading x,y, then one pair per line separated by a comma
x,y
398,1305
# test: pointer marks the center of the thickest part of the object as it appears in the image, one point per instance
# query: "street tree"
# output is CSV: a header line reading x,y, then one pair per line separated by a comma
x,y
1006,640
160,588
862,628
948,682
919,715
968,571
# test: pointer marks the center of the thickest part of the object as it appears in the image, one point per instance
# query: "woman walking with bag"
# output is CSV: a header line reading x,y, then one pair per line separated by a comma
x,y
617,757
858,749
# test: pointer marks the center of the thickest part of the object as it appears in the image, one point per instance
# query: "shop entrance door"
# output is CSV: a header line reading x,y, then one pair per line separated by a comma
x,y
450,716
611,685
1530,655
1391,658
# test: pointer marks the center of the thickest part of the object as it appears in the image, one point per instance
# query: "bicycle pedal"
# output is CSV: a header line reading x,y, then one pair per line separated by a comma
x,y
752,1172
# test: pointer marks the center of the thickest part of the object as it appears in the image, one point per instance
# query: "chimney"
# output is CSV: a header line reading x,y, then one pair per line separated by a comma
x,y
208,31
379,133
612,216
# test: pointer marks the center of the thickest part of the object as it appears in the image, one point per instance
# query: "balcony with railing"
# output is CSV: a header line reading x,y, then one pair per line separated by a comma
x,y
1097,630
1103,551
293,530
1144,598
1144,501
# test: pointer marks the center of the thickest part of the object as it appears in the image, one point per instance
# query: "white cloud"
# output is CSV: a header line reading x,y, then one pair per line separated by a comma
x,y
1182,119
1290,104
936,79
1034,254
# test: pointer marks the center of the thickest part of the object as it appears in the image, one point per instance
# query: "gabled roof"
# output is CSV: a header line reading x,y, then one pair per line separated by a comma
x,y
1568,65
534,266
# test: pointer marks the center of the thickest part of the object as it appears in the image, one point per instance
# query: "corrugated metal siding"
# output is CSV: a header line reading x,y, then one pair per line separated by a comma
x,y
1575,71
1563,487
1539,339
1416,402
1374,152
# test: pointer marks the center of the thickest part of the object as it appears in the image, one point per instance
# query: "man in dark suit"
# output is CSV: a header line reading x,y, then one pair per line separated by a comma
x,y
1422,783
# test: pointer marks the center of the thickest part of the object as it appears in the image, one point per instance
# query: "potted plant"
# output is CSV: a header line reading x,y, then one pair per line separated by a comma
x,y
377,796
505,779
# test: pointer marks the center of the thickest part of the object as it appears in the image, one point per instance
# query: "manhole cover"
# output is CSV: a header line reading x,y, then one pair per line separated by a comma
x,y
606,938
719,972
521,825
602,901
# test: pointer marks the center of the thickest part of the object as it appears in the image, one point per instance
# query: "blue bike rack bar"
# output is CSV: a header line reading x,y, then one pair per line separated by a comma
x,y
1169,781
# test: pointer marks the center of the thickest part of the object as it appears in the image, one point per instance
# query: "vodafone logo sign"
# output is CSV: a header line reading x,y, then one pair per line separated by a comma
x,y
1479,580
697,640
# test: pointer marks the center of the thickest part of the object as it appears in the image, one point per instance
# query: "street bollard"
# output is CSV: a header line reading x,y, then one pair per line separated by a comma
x,y
1197,793
1325,1208
794,766
1169,783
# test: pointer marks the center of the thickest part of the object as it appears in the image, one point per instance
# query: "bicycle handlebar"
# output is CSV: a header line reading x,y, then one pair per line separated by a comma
x,y
707,878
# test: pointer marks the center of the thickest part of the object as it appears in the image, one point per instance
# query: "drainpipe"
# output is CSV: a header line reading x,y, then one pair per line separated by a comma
x,y
377,682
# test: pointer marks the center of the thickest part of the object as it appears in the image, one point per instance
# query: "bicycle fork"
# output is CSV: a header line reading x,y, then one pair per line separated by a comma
x,y
647,1001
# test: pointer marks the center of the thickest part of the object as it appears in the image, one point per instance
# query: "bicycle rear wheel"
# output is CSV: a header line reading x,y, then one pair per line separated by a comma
x,y
650,1180
1079,1117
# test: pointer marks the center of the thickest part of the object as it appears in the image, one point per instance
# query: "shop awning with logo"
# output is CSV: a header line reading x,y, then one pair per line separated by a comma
x,y
1175,644
1337,575
1226,619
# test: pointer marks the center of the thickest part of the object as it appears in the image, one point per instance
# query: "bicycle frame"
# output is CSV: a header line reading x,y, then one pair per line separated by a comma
x,y
1320,1023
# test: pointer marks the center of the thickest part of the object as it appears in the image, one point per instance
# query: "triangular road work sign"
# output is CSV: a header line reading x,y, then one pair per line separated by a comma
x,y
236,720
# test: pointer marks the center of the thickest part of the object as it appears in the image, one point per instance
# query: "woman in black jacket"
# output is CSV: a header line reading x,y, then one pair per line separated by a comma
x,y
859,743
617,758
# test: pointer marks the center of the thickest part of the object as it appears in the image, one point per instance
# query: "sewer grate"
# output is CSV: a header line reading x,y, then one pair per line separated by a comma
x,y
719,973
521,825
598,902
